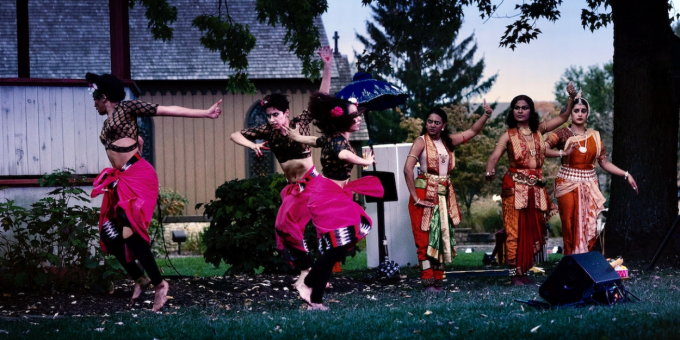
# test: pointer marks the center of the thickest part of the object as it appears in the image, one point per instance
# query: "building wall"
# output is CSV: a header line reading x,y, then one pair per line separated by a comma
x,y
44,128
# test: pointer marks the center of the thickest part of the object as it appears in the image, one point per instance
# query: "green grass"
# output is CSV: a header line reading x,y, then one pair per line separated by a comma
x,y
471,308
196,266
191,266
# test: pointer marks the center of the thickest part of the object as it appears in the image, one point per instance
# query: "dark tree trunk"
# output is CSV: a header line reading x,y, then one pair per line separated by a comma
x,y
645,130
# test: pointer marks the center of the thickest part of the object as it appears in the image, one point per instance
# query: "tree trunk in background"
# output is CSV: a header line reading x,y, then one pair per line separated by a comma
x,y
645,130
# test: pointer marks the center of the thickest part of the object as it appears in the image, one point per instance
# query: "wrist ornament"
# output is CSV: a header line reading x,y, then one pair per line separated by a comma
x,y
560,153
416,201
625,176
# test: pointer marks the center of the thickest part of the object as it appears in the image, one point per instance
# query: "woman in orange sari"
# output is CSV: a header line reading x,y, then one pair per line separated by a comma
x,y
526,203
576,186
433,207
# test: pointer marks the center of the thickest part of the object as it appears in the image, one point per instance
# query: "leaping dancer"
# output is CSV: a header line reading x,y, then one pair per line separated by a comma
x,y
297,164
130,186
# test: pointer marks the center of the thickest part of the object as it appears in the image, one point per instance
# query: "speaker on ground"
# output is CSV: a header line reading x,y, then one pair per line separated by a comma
x,y
579,277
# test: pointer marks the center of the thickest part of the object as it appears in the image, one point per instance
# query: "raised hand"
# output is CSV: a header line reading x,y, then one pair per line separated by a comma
x,y
258,148
369,156
571,90
214,111
292,133
487,109
326,54
570,148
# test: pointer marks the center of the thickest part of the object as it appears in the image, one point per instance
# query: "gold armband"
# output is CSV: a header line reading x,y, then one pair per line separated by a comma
x,y
416,158
501,145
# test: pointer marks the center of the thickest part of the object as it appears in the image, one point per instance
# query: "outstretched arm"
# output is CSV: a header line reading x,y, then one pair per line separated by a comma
x,y
475,129
559,120
495,156
326,54
295,135
614,170
550,153
349,157
238,138
178,111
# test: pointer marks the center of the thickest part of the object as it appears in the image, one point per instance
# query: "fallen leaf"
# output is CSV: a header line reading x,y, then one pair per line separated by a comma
x,y
99,329
614,319
417,331
2,331
484,315
535,329
74,302
427,312
169,297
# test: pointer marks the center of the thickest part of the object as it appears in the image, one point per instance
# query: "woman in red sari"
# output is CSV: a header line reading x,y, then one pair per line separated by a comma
x,y
130,186
576,187
526,203
433,207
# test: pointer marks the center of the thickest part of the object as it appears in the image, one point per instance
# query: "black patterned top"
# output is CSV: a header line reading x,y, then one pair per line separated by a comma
x,y
123,122
331,165
283,147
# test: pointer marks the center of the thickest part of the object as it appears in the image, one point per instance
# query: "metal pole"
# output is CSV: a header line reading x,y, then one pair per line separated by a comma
x,y
664,243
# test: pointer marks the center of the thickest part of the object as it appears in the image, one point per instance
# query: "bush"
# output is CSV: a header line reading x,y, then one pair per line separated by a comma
x,y
241,232
53,241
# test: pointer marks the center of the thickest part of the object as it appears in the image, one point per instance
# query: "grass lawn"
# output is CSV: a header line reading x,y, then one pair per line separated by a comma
x,y
470,308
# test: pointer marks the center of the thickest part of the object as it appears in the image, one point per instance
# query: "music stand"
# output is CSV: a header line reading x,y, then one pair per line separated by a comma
x,y
390,186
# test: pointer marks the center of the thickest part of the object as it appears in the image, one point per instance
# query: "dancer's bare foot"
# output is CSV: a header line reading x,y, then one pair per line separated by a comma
x,y
301,279
140,285
517,281
526,280
161,295
305,293
316,306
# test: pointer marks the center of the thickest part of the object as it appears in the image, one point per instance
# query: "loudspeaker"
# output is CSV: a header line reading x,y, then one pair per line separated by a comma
x,y
577,276
389,184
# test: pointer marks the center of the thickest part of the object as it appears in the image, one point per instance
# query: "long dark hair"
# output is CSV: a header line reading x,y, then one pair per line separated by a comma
x,y
445,134
320,107
533,116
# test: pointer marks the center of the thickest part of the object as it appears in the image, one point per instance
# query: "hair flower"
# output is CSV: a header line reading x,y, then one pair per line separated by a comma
x,y
263,102
337,111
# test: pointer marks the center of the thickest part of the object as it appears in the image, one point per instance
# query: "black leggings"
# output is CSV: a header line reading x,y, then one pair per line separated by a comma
x,y
302,260
112,236
321,271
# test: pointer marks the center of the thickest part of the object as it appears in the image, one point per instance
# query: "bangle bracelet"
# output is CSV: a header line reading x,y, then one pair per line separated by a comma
x,y
560,153
625,176
416,201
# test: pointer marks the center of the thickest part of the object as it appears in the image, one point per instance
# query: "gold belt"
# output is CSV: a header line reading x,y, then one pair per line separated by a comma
x,y
528,180
435,177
